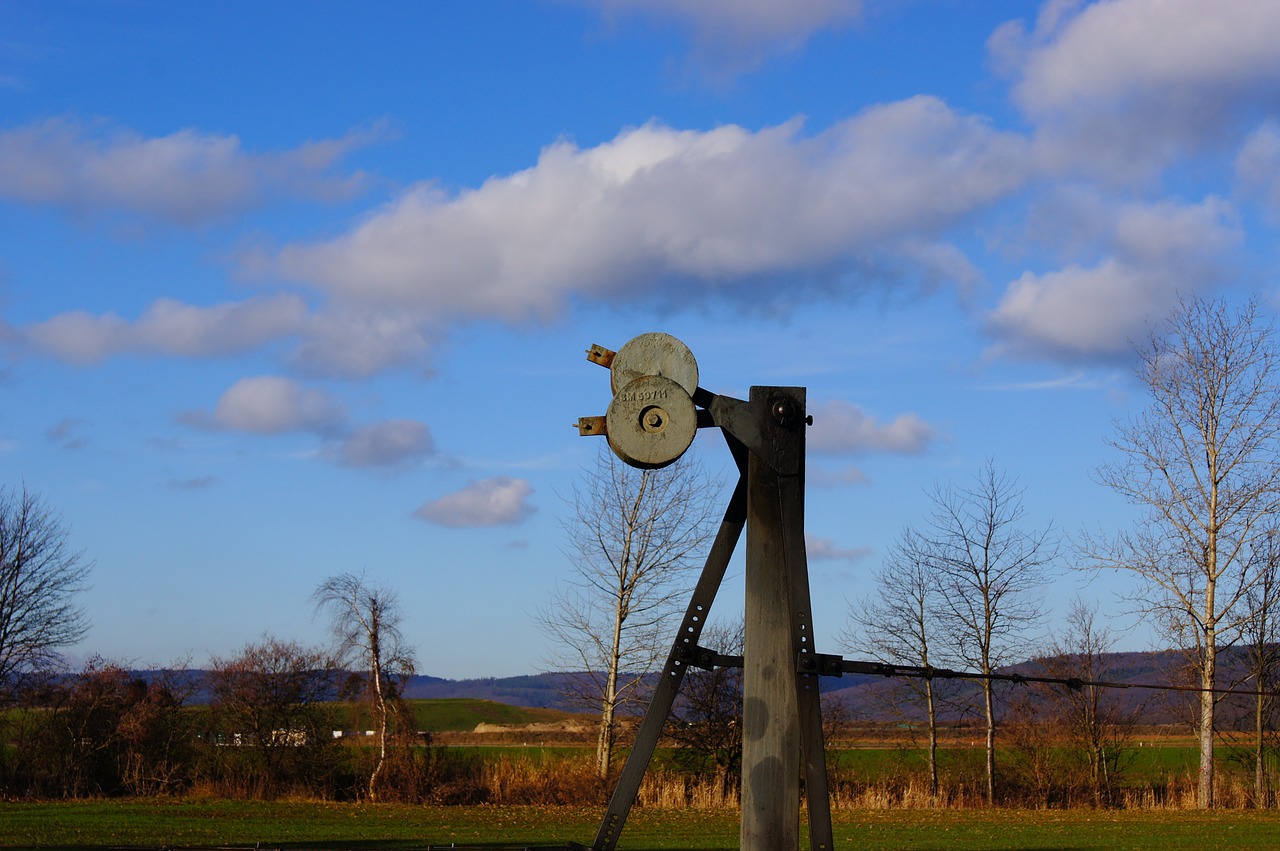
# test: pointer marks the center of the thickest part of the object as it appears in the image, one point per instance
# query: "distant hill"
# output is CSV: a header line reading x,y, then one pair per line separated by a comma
x,y
871,698
538,691
864,697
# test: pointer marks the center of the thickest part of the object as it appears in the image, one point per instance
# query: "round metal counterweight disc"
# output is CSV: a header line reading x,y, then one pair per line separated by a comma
x,y
654,354
651,422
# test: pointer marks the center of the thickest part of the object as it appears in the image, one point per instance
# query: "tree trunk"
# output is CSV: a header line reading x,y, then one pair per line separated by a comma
x,y
382,734
1208,703
608,702
1259,776
604,743
989,704
933,741
1099,778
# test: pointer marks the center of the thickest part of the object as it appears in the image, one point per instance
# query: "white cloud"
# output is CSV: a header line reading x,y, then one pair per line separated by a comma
x,y
393,443
824,549
355,343
839,427
1079,312
739,34
1122,84
187,177
1151,254
1112,51
674,215
347,341
170,327
500,501
1258,165
271,404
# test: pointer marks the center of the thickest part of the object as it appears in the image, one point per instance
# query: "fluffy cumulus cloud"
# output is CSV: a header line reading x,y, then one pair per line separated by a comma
x,y
841,428
739,34
170,328
683,213
272,404
392,443
758,218
352,342
499,501
347,341
1149,254
187,177
1130,81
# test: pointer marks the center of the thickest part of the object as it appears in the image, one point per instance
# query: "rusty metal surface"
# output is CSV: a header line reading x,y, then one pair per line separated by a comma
x,y
651,422
654,354
599,354
590,426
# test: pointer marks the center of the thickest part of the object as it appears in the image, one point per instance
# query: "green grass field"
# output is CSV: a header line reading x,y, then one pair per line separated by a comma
x,y
237,824
439,715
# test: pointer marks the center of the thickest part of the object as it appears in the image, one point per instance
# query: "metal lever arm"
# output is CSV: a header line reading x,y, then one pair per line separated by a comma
x,y
685,645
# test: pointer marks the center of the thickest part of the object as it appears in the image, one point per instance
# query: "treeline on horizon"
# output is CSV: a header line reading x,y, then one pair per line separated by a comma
x,y
263,725
859,694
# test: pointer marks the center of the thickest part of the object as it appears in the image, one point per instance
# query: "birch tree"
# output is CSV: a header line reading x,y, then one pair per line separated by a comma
x,y
991,569
365,620
899,624
633,537
1202,464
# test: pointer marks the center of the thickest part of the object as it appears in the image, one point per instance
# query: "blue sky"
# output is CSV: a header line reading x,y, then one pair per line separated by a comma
x,y
292,289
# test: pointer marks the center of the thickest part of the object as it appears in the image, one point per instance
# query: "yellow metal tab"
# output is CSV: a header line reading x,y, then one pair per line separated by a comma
x,y
591,426
599,354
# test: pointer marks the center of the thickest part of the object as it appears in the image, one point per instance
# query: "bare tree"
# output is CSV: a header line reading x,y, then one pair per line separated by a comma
x,y
990,571
707,719
1261,639
1093,717
365,620
39,576
106,731
270,701
1202,462
899,625
633,536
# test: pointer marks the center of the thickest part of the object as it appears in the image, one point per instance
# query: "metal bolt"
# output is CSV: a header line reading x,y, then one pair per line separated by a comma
x,y
653,419
786,411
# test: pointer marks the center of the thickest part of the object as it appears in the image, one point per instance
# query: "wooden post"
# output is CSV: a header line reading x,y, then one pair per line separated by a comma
x,y
771,715
782,715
